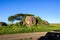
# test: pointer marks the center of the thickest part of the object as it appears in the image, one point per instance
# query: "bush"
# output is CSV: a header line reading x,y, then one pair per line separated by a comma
x,y
38,20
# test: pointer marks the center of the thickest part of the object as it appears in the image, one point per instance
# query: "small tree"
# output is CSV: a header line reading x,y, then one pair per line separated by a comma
x,y
11,19
28,15
21,17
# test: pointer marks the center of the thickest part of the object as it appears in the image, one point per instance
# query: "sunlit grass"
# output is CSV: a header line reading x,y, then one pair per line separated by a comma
x,y
23,29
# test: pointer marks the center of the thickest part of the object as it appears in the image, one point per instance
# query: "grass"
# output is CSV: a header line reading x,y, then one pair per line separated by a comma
x,y
23,29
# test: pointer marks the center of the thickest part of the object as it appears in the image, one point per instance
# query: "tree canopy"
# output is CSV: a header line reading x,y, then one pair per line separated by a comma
x,y
20,17
11,18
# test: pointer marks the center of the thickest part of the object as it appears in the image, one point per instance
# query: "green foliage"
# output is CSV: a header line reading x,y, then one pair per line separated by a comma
x,y
17,15
23,29
25,16
20,17
38,19
28,15
11,18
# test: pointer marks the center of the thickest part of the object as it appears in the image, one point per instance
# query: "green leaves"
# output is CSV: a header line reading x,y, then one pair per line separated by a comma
x,y
38,20
19,17
11,18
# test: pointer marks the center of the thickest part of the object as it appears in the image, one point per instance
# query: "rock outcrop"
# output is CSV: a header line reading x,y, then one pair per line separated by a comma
x,y
30,21
44,23
3,24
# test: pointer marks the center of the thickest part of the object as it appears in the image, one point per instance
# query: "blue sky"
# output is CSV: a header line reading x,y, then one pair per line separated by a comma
x,y
47,9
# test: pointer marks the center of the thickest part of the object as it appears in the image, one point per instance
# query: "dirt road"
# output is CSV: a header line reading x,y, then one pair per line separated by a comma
x,y
23,36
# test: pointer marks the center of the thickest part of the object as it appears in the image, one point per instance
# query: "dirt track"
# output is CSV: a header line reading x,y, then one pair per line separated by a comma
x,y
22,36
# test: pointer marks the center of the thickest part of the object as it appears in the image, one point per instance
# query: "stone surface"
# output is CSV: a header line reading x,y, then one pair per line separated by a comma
x,y
3,24
44,23
30,21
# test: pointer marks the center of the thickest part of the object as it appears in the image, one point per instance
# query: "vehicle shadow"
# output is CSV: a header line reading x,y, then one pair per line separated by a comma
x,y
51,36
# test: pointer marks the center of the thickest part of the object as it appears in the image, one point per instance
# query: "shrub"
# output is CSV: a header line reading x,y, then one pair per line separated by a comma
x,y
38,20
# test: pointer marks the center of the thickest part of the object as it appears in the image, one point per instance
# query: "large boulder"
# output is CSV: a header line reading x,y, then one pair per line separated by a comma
x,y
3,24
30,21
44,22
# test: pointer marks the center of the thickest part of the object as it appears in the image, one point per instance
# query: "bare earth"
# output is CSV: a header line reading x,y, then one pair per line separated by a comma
x,y
22,36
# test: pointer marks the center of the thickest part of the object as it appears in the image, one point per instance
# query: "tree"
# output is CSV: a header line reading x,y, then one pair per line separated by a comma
x,y
21,16
28,15
11,19
24,16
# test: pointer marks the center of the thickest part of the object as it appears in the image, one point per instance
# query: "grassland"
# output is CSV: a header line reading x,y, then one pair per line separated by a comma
x,y
23,29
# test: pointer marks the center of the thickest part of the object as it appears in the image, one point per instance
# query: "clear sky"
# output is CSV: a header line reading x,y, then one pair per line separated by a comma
x,y
47,9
